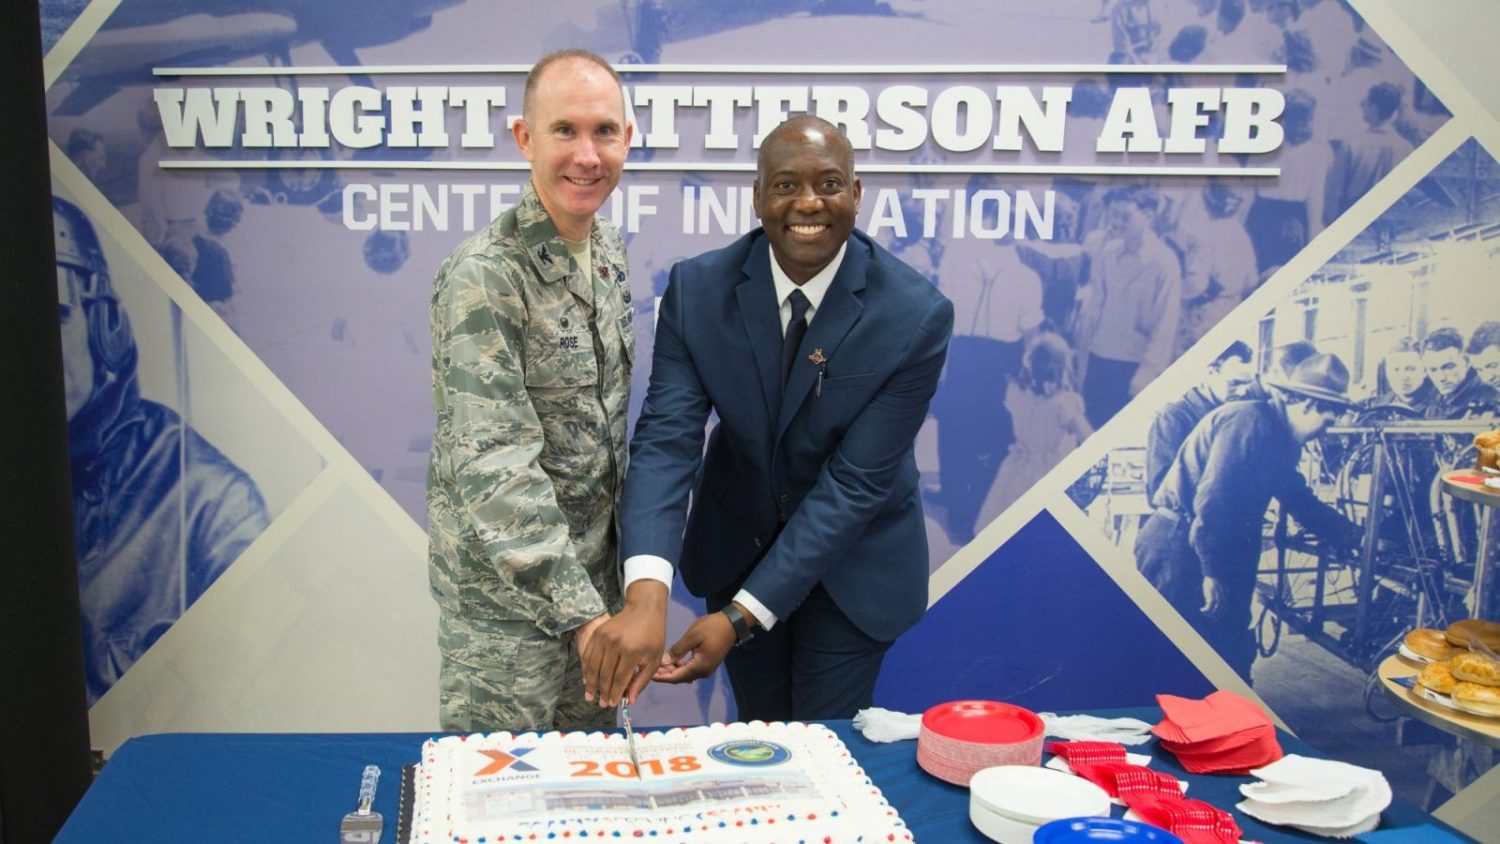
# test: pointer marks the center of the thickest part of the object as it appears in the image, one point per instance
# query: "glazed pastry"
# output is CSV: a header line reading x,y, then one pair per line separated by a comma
x,y
1438,676
1488,445
1482,699
1476,668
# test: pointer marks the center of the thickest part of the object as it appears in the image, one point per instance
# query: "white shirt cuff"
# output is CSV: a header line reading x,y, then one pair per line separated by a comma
x,y
766,618
647,567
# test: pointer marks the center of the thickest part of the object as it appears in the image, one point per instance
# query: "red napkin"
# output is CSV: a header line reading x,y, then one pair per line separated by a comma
x,y
1220,744
1221,733
1194,821
1258,753
1219,714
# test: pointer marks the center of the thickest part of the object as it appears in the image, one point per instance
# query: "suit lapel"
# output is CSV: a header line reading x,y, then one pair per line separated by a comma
x,y
839,311
758,308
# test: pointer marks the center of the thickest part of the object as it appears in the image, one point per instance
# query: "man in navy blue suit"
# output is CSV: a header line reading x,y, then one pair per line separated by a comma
x,y
820,352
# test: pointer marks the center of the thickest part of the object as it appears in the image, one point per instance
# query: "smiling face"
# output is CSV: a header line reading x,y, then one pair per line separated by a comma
x,y
806,195
575,135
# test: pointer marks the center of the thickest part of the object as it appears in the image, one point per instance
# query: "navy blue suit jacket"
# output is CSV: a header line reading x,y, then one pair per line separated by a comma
x,y
832,461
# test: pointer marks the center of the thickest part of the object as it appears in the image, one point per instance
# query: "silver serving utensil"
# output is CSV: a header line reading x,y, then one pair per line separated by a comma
x,y
635,759
362,826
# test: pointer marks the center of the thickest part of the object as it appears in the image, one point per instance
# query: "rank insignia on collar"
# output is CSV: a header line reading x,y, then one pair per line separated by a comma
x,y
818,357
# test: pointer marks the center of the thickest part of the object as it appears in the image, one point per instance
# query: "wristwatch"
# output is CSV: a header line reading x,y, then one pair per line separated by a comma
x,y
743,632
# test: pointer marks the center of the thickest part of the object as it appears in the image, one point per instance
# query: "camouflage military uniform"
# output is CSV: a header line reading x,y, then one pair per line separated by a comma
x,y
531,365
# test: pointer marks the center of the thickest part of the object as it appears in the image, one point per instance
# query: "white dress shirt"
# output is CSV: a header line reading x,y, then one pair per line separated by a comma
x,y
658,568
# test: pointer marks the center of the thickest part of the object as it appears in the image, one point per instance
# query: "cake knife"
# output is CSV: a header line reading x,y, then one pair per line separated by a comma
x,y
363,826
635,759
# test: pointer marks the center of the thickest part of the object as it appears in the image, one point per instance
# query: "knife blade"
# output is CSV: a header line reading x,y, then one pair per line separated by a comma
x,y
635,759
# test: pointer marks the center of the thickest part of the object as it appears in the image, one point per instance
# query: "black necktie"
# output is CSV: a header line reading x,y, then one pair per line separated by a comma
x,y
795,331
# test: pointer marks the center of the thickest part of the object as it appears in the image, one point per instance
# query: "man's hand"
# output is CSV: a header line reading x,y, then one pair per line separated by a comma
x,y
622,654
1213,597
585,631
700,650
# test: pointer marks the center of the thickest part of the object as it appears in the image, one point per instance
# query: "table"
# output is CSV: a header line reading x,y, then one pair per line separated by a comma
x,y
1488,500
1462,724
296,787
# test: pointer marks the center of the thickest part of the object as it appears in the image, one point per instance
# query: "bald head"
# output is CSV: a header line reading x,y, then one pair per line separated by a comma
x,y
539,70
805,129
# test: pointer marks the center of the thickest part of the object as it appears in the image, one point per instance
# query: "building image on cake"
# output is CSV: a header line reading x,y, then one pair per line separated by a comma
x,y
630,797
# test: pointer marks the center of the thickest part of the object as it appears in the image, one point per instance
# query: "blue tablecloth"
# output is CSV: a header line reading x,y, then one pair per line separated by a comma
x,y
291,787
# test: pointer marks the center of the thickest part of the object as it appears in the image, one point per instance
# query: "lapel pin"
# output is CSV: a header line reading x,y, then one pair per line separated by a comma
x,y
818,357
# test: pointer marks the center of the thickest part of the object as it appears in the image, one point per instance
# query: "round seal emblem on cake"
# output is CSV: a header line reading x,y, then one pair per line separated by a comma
x,y
749,753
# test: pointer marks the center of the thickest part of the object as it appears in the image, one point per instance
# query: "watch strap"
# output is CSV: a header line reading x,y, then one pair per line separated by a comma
x,y
743,632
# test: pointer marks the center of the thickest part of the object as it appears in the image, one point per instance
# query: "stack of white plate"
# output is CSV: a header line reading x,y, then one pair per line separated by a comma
x,y
1008,803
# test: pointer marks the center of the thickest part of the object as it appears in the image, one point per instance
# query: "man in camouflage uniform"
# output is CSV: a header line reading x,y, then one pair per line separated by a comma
x,y
532,352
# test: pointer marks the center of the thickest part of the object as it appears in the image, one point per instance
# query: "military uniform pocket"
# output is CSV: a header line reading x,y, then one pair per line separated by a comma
x,y
492,681
560,358
627,334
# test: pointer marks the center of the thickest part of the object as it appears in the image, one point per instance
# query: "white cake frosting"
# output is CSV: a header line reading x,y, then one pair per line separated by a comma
x,y
752,783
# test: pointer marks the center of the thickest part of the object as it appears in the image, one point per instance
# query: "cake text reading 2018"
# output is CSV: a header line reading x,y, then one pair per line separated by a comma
x,y
625,770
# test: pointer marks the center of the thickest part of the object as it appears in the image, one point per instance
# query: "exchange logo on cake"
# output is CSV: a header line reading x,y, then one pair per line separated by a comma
x,y
501,760
749,753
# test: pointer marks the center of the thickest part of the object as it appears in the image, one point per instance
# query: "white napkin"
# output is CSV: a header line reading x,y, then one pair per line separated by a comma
x,y
1270,792
1130,731
1321,796
883,725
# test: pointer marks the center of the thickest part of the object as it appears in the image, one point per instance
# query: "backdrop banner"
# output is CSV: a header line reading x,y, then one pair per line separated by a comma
x,y
1214,263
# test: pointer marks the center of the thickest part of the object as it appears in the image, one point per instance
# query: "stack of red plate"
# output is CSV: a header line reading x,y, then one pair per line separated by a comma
x,y
965,736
